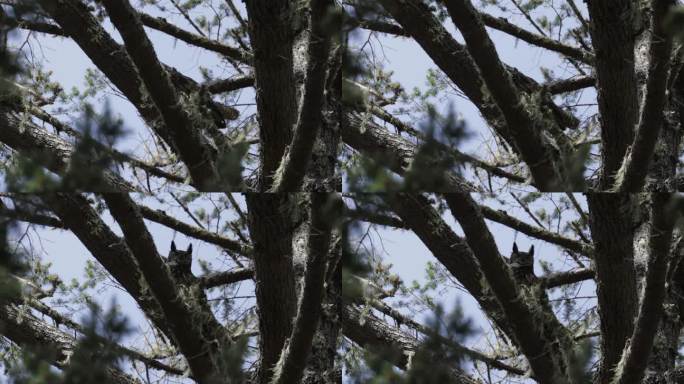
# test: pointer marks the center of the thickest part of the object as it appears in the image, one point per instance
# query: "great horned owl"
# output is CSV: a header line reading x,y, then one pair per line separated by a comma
x,y
522,264
180,263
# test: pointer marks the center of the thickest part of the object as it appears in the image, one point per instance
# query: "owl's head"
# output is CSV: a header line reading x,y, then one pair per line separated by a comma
x,y
180,256
522,258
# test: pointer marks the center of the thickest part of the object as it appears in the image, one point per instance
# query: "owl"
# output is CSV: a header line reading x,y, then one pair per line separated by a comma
x,y
180,263
522,264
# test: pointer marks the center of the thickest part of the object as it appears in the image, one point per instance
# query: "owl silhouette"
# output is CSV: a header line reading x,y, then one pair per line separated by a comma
x,y
180,263
522,265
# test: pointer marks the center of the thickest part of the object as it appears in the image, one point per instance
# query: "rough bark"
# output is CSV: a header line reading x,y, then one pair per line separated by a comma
x,y
272,34
52,152
271,226
612,232
26,330
549,363
194,328
373,334
613,27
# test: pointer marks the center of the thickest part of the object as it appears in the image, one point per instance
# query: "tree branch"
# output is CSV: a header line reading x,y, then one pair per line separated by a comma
x,y
113,153
32,25
373,334
216,279
564,278
160,24
504,218
197,155
228,85
498,23
545,169
453,59
112,59
28,217
133,354
448,248
193,344
570,85
457,155
473,354
526,329
26,330
503,25
159,216
107,248
52,152
392,151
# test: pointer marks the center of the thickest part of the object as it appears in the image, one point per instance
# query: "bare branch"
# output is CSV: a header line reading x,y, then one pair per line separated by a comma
x,y
26,330
564,278
195,346
197,155
217,279
541,356
570,85
540,233
161,217
373,334
546,172
228,85
388,149
503,25
51,151
160,24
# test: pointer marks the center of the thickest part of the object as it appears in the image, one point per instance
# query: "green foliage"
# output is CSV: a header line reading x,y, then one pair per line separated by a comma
x,y
230,164
430,161
10,62
93,356
87,164
433,361
11,262
230,363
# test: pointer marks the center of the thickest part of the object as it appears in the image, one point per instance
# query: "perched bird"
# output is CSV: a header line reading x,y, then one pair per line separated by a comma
x,y
180,263
522,264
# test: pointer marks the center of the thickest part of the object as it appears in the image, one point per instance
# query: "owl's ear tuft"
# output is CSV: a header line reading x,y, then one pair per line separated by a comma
x,y
173,246
531,250
189,248
515,248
